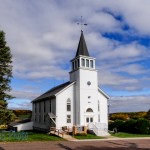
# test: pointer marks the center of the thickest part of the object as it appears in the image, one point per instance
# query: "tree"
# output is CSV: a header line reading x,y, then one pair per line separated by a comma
x,y
5,79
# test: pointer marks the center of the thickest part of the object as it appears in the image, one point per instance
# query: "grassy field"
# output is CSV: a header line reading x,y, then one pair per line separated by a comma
x,y
88,136
21,117
129,135
27,136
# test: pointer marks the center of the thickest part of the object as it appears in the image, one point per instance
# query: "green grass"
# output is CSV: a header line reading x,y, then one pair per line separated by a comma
x,y
88,136
129,135
21,117
31,136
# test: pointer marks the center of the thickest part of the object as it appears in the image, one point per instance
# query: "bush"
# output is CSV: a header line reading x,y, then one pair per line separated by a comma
x,y
130,126
143,126
118,124
139,126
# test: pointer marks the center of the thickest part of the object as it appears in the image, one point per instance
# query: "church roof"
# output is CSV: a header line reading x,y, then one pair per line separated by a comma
x,y
53,91
82,48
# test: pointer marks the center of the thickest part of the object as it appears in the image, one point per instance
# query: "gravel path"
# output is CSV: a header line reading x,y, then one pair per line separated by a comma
x,y
125,144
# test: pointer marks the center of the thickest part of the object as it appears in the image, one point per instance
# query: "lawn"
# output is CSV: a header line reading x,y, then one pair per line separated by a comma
x,y
27,136
22,117
129,135
88,136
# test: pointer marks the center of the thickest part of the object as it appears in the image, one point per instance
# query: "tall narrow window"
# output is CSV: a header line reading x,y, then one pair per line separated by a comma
x,y
98,106
39,118
50,106
35,107
87,63
83,62
44,118
39,107
68,105
44,106
35,118
68,118
91,63
91,119
98,117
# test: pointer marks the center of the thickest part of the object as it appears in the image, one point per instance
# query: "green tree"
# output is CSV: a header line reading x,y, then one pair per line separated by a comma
x,y
5,78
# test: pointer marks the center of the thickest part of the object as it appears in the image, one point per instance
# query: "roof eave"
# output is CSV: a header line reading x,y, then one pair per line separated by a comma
x,y
108,97
65,88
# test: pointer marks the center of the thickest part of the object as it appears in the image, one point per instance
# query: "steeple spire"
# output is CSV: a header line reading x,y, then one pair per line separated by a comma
x,y
82,48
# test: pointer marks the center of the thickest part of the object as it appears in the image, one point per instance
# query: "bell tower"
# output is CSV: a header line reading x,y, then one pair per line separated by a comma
x,y
86,83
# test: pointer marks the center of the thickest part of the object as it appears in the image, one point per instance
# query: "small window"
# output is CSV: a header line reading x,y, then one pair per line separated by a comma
x,y
72,65
35,118
68,118
98,106
98,117
89,110
39,118
87,119
50,106
68,105
91,63
34,105
44,106
87,63
91,119
75,64
83,62
44,118
39,107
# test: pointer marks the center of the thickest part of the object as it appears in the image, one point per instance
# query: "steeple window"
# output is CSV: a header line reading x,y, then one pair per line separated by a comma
x,y
87,63
78,63
72,65
83,62
91,64
75,65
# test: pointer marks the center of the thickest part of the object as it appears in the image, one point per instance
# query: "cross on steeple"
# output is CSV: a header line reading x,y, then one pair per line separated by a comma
x,y
81,24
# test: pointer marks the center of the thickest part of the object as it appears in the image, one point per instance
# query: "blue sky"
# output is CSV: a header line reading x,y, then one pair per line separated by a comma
x,y
43,37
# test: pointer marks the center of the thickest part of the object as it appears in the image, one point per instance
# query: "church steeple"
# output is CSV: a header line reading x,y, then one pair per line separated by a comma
x,y
82,48
82,59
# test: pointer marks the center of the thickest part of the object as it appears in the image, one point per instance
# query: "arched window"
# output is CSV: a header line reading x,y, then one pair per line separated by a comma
x,y
89,110
68,104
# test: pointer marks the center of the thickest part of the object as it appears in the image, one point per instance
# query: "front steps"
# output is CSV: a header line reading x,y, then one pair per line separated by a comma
x,y
99,129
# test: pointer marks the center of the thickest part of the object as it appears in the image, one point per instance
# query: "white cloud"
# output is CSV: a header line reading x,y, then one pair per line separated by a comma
x,y
43,36
129,104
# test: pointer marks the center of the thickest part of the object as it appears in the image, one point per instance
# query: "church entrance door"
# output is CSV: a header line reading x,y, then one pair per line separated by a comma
x,y
89,120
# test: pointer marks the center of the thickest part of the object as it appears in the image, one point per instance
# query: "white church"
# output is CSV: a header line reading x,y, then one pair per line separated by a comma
x,y
77,102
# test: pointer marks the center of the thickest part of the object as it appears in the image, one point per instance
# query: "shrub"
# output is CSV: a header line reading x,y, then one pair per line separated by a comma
x,y
143,126
130,126
118,124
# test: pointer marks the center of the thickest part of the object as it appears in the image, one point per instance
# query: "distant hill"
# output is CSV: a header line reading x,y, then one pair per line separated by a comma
x,y
22,114
129,115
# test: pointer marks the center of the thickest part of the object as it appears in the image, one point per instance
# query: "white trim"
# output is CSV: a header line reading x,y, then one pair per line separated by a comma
x,y
64,88
83,57
102,92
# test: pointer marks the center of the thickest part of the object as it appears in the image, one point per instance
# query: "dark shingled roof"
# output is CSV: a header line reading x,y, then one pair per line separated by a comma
x,y
82,48
20,122
52,91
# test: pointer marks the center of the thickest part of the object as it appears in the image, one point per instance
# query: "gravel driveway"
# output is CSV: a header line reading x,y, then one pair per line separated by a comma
x,y
139,144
